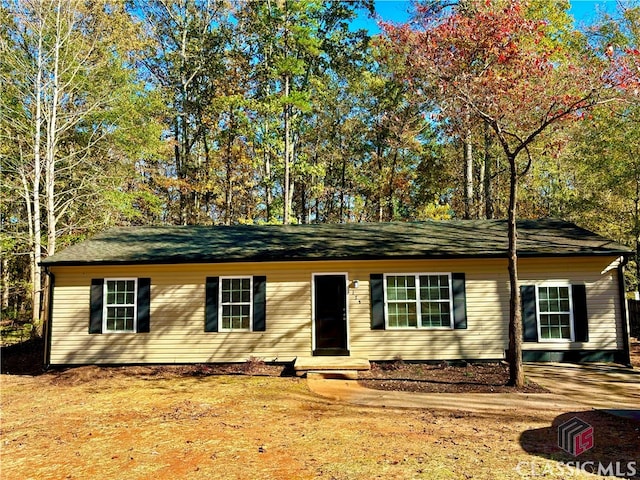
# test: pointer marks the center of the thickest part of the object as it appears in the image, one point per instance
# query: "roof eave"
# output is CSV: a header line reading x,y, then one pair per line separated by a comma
x,y
261,259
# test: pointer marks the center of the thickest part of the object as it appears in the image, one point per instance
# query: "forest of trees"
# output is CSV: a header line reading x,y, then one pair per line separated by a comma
x,y
180,112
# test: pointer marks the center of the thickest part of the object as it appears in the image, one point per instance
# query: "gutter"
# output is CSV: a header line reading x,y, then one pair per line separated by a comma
x,y
622,292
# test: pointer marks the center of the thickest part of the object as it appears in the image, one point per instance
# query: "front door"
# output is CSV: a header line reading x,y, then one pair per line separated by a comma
x,y
330,314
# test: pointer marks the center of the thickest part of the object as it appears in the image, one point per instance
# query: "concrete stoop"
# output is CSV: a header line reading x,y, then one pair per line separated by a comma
x,y
330,367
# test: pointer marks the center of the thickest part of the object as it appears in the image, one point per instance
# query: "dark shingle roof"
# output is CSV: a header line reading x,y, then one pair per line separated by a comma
x,y
359,241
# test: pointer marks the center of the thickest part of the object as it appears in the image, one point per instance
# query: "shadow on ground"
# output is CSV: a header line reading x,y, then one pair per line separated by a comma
x,y
25,358
615,451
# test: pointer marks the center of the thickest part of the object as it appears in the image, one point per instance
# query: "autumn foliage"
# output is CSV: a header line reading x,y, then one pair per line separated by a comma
x,y
625,71
199,112
497,64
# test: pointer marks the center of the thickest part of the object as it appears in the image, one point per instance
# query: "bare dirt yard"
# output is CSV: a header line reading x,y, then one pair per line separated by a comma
x,y
249,422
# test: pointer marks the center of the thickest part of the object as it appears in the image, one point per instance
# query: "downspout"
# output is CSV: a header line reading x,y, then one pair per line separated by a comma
x,y
622,292
48,318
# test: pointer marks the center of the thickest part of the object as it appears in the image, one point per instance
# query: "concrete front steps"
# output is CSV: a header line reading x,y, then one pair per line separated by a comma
x,y
330,367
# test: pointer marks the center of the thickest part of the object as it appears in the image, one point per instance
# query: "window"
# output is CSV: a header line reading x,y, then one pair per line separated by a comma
x,y
418,301
554,312
120,305
235,303
401,301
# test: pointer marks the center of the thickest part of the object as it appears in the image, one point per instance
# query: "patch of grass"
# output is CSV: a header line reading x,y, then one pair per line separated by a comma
x,y
12,333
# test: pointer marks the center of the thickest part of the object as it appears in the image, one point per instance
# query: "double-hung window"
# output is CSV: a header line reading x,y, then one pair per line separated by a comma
x,y
418,300
120,305
554,312
235,304
236,299
555,317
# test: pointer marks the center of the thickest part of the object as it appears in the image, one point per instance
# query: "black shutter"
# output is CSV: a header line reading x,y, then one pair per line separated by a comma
x,y
580,317
529,313
259,303
459,300
211,304
144,305
376,287
95,318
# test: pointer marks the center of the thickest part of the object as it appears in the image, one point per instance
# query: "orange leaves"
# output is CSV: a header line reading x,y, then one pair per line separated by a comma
x,y
470,40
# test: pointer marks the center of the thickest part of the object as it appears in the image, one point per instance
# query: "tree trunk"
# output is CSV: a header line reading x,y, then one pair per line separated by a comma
x,y
183,139
228,188
480,197
380,206
313,209
182,214
5,282
468,174
267,174
292,190
229,177
343,179
287,153
187,207
636,231
516,371
30,222
36,254
304,204
52,139
392,178
486,179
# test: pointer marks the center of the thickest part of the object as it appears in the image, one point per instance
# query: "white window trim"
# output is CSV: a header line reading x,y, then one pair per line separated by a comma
x,y
538,313
418,300
105,304
221,305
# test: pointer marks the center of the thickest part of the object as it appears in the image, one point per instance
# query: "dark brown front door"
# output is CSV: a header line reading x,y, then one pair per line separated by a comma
x,y
330,309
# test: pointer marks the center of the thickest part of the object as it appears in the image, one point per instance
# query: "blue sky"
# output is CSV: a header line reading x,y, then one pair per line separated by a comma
x,y
584,12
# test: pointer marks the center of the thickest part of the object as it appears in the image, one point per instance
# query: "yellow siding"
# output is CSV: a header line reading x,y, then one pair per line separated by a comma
x,y
603,297
178,297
